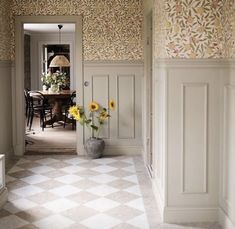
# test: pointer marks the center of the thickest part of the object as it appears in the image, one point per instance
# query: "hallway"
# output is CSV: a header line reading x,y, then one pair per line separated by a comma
x,y
75,192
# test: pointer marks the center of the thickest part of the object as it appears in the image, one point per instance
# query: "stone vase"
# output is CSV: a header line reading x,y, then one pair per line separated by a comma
x,y
94,147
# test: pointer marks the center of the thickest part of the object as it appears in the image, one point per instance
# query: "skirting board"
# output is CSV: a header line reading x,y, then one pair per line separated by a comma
x,y
187,215
224,220
3,197
158,197
122,150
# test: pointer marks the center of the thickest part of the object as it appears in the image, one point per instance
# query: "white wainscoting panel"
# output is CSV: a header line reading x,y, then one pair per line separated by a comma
x,y
194,137
227,188
6,143
189,137
126,106
120,81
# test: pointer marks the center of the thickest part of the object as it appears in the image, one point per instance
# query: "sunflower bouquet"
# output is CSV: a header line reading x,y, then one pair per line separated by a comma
x,y
95,118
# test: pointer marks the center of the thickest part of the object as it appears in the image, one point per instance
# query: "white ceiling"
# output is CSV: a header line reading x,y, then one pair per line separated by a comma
x,y
46,27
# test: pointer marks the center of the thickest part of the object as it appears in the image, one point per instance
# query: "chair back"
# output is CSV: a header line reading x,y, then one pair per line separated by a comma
x,y
72,101
36,99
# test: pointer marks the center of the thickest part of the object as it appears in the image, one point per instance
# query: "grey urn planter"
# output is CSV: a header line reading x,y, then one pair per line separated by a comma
x,y
94,147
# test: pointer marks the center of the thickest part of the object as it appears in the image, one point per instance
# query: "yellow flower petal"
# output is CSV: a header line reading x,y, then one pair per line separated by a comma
x,y
93,106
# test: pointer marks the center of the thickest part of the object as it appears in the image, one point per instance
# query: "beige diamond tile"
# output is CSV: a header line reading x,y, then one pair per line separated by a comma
x,y
15,169
140,221
47,185
77,226
29,226
83,197
59,165
11,222
54,173
12,196
34,214
87,173
125,226
42,198
79,213
85,184
119,164
22,174
124,212
54,221
122,197
120,173
28,165
121,184
89,164
16,184
4,213
100,221
9,179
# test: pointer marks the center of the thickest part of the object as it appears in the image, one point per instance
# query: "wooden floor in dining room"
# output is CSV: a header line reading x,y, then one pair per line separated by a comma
x,y
57,140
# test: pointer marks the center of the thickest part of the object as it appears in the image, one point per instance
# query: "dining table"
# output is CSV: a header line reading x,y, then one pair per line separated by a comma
x,y
58,100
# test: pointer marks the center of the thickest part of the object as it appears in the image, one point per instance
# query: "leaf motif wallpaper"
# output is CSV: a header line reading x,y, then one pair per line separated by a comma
x,y
195,29
112,29
5,32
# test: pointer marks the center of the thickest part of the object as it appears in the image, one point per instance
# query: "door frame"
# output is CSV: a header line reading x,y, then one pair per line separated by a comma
x,y
149,93
18,79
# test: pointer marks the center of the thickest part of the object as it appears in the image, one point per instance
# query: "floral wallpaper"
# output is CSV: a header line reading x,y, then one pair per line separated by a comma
x,y
159,38
112,29
195,28
5,32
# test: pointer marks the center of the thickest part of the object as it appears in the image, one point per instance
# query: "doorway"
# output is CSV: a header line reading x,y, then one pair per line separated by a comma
x,y
18,81
43,43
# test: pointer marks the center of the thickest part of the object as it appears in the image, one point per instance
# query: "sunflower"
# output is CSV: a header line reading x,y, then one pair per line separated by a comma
x,y
112,105
75,112
93,106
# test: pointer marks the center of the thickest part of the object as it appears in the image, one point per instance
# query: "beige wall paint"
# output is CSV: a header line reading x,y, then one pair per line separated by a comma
x,y
111,28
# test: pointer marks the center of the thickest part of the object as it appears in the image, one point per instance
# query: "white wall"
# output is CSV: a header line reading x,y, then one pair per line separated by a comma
x,y
6,109
186,137
227,157
39,39
120,81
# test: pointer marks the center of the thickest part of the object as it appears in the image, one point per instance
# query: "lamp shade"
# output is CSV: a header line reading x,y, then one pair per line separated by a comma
x,y
59,61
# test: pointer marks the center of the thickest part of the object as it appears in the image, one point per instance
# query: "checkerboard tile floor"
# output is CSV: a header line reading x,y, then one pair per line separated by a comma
x,y
72,192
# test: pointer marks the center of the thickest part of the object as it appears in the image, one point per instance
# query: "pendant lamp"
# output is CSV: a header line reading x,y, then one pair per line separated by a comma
x,y
59,60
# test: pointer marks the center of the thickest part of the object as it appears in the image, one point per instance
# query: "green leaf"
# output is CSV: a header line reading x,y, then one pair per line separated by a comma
x,y
94,127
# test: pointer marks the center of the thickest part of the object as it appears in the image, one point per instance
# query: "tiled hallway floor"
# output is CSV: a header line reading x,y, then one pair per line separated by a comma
x,y
53,192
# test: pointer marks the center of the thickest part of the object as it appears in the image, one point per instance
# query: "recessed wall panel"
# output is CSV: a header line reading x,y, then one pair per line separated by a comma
x,y
126,106
194,137
100,94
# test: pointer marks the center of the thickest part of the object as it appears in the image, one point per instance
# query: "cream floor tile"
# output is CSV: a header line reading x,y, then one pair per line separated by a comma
x,y
71,192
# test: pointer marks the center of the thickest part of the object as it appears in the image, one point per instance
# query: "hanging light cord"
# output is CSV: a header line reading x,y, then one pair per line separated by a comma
x,y
60,27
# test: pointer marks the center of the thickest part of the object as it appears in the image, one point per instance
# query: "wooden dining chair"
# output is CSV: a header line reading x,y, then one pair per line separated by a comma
x,y
71,102
38,105
26,98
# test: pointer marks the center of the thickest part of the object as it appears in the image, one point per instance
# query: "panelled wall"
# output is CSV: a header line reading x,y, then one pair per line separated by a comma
x,y
186,128
6,109
227,157
120,81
